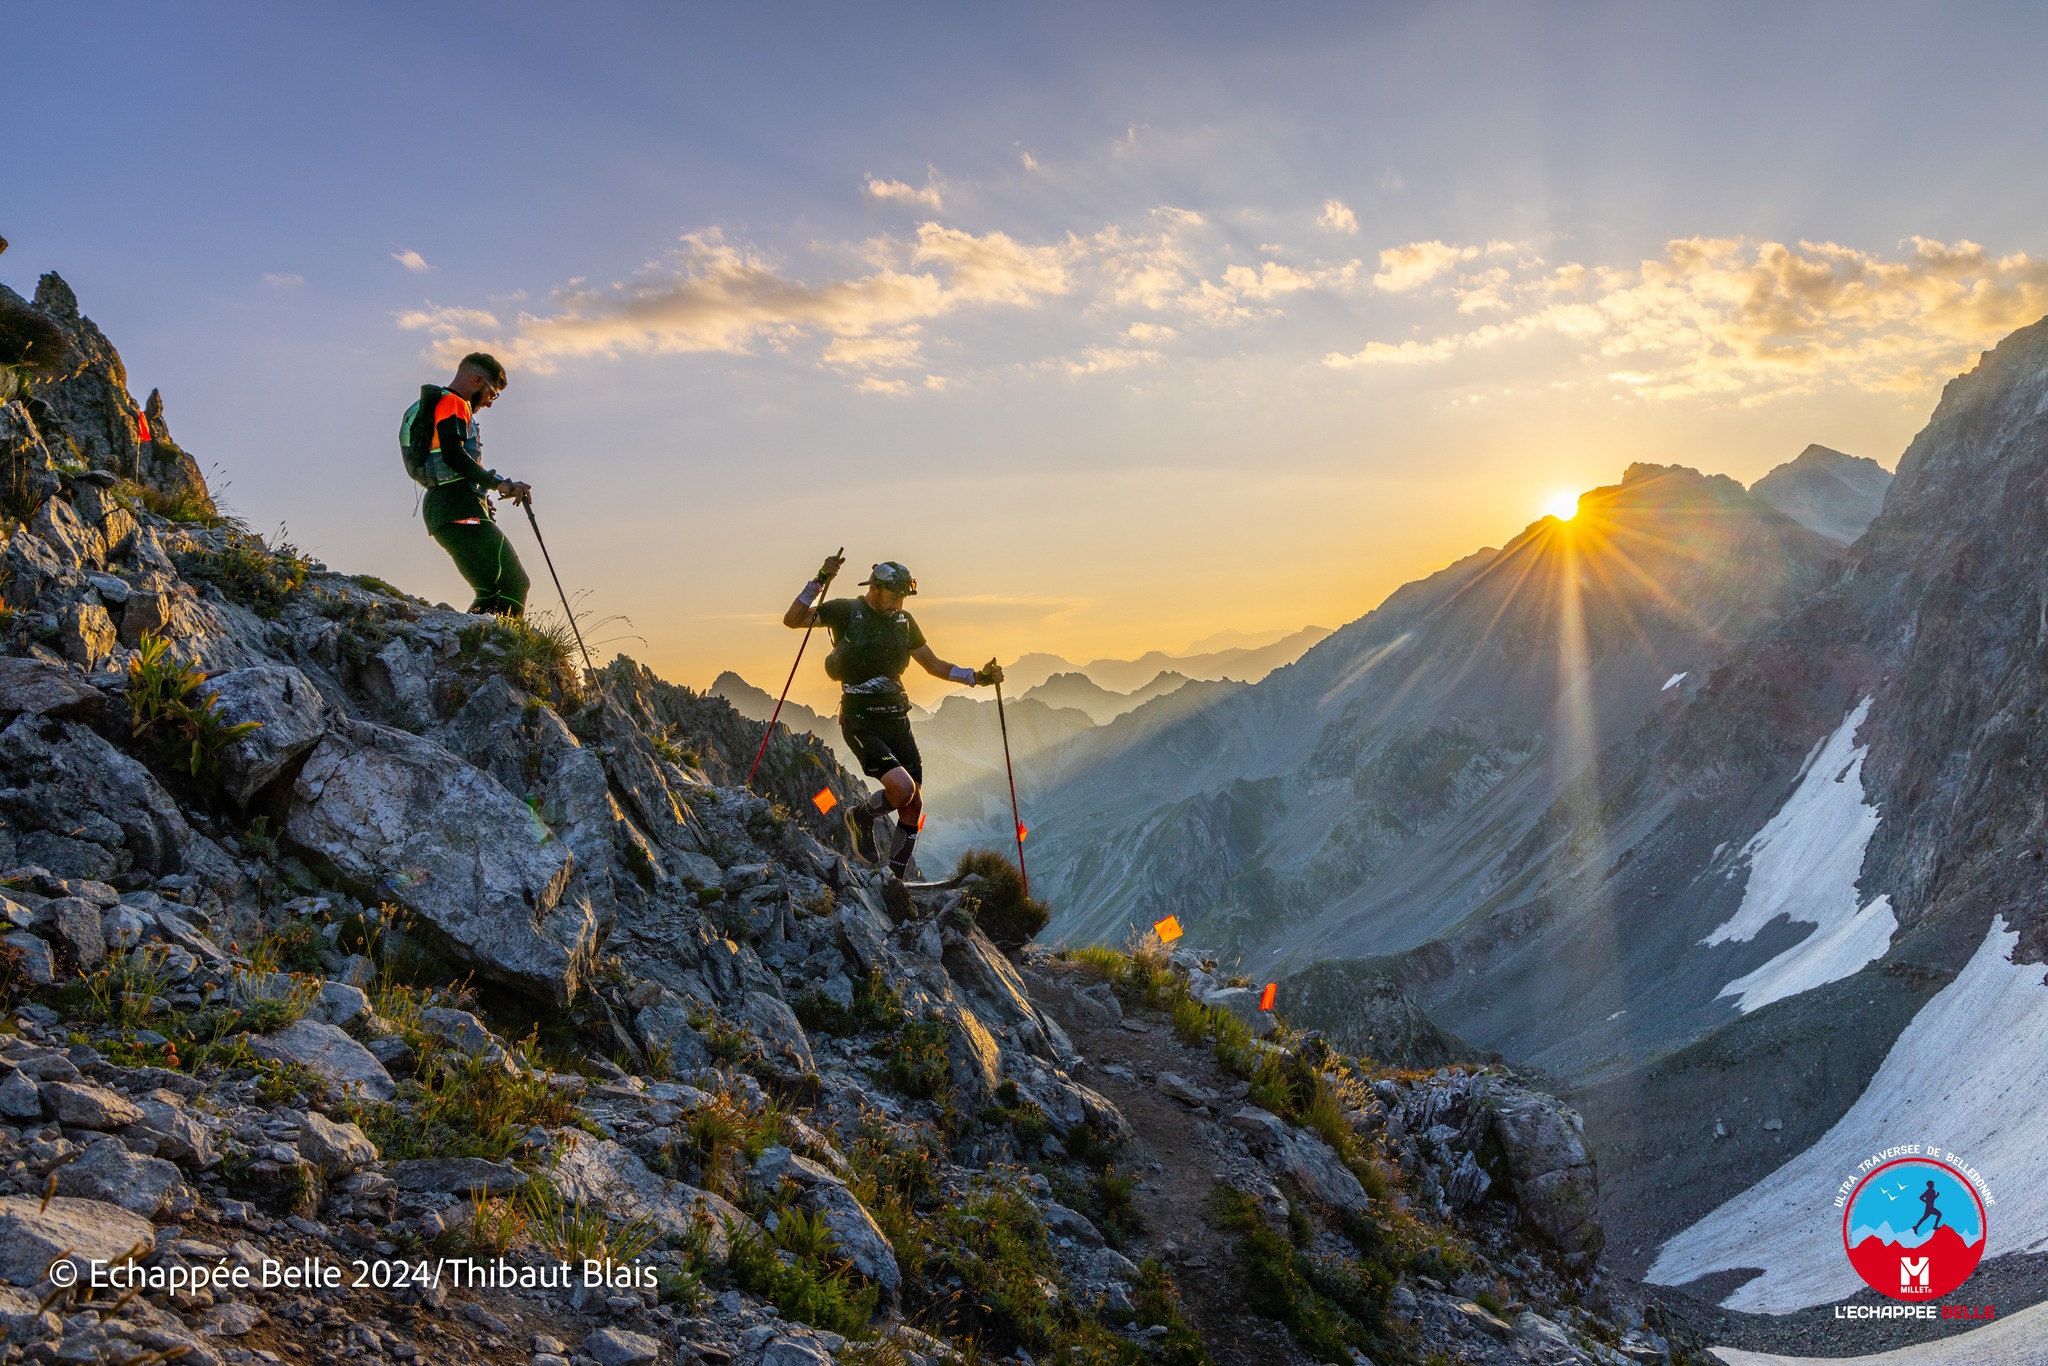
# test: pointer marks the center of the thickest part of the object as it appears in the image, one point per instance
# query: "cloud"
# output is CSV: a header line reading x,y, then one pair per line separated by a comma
x,y
1271,279
1416,264
283,279
411,260
1030,161
715,295
1337,217
874,352
1098,360
895,191
1722,316
1149,332
938,384
874,384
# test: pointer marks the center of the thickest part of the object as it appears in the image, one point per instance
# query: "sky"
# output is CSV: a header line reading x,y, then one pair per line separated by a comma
x,y
1121,325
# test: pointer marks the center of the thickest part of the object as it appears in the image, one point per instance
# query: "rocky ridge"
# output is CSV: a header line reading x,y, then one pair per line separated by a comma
x,y
345,927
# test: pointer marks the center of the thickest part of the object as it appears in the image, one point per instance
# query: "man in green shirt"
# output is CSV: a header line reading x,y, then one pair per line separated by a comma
x,y
873,642
444,455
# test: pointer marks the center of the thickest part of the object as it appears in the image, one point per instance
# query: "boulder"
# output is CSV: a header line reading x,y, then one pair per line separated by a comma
x,y
108,1171
341,1004
617,1347
456,1176
82,1105
20,1098
38,966
77,922
177,1136
1555,1181
1304,1158
854,1231
331,1055
338,1150
86,633
290,715
599,1173
1243,1002
398,818
30,685
68,790
666,1025
794,1351
33,1234
464,1033
777,1024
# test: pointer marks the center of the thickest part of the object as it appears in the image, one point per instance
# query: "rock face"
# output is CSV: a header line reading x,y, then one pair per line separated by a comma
x,y
330,1054
401,818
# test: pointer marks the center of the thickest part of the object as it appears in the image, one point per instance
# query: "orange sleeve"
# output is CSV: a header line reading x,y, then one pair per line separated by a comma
x,y
451,405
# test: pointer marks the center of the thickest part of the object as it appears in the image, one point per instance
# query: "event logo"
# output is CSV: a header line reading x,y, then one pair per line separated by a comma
x,y
1914,1228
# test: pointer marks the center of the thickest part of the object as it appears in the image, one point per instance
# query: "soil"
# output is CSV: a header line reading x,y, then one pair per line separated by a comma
x,y
1183,1154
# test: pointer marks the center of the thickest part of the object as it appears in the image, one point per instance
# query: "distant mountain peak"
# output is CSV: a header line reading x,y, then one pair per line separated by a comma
x,y
1827,491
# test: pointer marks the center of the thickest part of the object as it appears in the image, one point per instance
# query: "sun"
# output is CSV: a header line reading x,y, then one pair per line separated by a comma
x,y
1563,506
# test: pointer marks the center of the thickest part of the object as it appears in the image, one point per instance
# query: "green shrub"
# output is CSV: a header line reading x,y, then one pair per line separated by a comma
x,y
534,653
259,576
460,1106
185,732
1329,1305
996,898
916,1065
1157,1301
810,1292
188,504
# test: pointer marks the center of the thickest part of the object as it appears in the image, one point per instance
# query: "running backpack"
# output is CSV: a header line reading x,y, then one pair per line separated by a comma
x,y
423,464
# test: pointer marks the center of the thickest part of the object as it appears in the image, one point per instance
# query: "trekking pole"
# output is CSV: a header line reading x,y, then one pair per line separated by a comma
x,y
566,609
808,628
1015,819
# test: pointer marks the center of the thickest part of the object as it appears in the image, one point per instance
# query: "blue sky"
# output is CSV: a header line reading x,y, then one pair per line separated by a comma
x,y
1121,324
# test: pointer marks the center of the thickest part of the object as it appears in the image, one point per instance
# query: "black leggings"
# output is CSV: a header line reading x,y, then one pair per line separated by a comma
x,y
489,564
881,740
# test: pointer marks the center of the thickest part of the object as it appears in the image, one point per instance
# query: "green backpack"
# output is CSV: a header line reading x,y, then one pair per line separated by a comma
x,y
423,464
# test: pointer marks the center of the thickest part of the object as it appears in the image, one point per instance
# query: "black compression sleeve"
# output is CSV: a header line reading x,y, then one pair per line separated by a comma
x,y
454,435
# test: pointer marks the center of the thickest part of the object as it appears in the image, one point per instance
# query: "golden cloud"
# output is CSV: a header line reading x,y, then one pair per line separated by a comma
x,y
1337,217
1722,316
896,191
1412,266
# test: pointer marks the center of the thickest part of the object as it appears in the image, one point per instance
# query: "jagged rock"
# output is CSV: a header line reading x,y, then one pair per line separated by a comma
x,y
86,633
177,1136
122,928
27,474
234,1319
336,1149
1183,1090
822,1193
604,1175
30,685
83,1105
109,1172
465,1033
341,1004
331,1055
38,968
290,714
399,818
88,802
1556,1184
33,1235
456,1176
617,1347
1311,1163
20,1097
772,1018
77,924
1243,1002
666,1025
530,751
795,1352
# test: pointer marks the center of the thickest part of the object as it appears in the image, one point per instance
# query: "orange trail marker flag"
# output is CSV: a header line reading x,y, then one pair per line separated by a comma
x,y
825,801
1266,997
1168,929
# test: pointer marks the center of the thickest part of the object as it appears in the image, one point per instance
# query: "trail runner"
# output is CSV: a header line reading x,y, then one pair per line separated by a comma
x,y
873,641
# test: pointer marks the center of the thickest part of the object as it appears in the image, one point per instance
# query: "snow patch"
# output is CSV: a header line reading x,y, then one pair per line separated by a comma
x,y
1803,865
1965,1074
1672,682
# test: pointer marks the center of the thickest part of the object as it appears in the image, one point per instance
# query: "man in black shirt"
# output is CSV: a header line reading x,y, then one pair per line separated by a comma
x,y
873,642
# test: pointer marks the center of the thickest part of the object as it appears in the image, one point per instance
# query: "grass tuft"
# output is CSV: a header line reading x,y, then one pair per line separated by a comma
x,y
996,898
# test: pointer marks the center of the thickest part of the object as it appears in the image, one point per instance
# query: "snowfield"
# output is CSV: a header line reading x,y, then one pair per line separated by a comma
x,y
1965,1075
1803,865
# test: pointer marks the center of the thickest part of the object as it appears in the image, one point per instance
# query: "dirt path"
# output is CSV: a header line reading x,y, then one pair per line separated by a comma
x,y
1182,1154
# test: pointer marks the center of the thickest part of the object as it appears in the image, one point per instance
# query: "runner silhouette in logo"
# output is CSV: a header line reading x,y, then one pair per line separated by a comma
x,y
1927,1199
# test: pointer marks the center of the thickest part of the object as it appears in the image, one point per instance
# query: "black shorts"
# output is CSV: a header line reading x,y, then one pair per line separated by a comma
x,y
881,740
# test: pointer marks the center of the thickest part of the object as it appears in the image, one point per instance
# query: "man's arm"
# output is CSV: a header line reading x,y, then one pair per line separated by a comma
x,y
991,672
453,433
804,611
